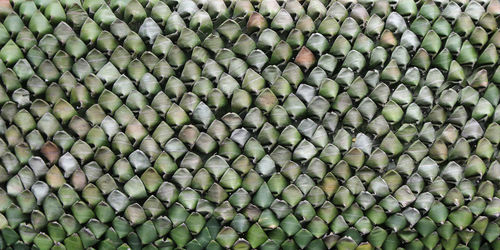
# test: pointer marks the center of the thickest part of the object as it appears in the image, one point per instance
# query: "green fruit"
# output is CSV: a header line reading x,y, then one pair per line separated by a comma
x,y
269,124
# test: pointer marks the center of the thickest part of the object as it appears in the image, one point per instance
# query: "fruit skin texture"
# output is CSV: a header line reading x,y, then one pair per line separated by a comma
x,y
268,124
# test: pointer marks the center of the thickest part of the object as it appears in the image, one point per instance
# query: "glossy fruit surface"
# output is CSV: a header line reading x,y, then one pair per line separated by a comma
x,y
239,124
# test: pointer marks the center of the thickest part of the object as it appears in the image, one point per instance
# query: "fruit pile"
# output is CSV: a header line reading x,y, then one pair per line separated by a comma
x,y
269,124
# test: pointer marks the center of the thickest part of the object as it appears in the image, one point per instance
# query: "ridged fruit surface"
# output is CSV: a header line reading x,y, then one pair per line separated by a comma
x,y
249,124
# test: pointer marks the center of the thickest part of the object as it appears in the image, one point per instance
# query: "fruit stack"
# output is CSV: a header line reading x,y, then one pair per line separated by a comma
x,y
243,124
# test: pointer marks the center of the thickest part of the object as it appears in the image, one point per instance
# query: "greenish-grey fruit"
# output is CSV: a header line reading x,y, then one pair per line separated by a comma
x,y
249,124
